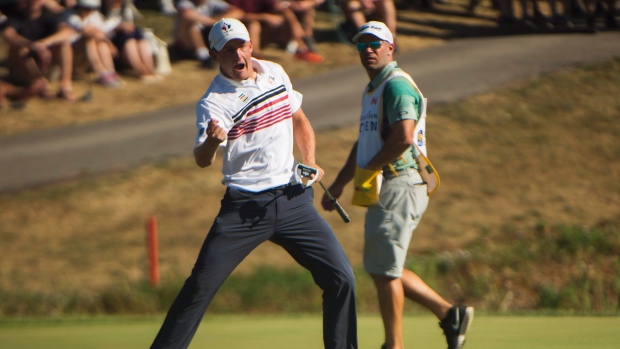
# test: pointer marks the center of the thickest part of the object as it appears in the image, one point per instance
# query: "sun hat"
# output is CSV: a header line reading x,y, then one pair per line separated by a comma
x,y
225,30
378,29
89,3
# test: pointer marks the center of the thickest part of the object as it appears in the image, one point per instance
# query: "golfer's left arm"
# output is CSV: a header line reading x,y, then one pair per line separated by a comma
x,y
305,141
398,141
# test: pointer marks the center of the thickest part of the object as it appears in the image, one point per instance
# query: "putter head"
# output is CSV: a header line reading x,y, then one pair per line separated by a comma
x,y
305,172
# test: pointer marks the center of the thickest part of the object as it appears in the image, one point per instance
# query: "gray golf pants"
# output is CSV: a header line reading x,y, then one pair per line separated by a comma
x,y
287,217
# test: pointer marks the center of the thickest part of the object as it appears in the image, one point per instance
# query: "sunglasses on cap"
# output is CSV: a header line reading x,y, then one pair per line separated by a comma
x,y
374,45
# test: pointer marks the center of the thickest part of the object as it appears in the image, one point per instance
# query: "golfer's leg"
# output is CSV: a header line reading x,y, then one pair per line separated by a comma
x,y
229,241
418,291
391,302
308,238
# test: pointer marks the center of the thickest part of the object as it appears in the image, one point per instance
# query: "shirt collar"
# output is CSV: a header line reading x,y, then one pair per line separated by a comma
x,y
385,72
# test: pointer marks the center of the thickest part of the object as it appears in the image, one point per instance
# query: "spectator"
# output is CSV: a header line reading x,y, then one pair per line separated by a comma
x,y
276,21
17,94
167,7
193,23
596,7
37,40
358,12
92,40
134,50
305,12
507,18
538,20
560,19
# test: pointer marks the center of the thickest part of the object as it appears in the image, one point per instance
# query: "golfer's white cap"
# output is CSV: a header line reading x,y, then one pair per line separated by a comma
x,y
378,29
225,30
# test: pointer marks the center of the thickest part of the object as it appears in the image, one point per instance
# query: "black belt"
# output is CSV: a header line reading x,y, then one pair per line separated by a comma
x,y
285,186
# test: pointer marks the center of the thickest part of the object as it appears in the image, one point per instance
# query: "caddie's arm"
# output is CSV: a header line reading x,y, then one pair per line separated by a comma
x,y
397,142
305,141
204,154
345,175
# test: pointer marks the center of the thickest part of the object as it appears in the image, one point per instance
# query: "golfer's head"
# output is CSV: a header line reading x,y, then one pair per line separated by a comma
x,y
230,45
375,44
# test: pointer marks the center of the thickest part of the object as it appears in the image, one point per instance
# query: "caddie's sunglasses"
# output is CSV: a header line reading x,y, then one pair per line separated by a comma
x,y
374,45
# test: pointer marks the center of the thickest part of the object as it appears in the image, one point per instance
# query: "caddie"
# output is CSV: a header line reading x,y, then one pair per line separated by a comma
x,y
393,178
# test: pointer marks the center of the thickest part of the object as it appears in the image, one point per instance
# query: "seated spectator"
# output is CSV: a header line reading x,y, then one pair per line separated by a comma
x,y
193,22
92,41
16,94
135,51
303,27
538,20
358,12
594,8
37,40
275,21
167,7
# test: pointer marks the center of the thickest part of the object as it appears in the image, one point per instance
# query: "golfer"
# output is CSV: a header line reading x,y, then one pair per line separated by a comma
x,y
391,107
252,112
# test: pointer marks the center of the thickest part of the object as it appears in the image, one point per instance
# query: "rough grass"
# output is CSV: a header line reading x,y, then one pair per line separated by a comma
x,y
540,153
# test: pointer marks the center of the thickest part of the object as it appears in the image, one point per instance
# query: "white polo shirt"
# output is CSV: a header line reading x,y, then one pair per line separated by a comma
x,y
257,115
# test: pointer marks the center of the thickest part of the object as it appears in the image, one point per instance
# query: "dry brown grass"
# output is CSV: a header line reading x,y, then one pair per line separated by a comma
x,y
543,151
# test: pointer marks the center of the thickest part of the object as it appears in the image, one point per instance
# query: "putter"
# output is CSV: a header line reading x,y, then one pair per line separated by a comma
x,y
307,171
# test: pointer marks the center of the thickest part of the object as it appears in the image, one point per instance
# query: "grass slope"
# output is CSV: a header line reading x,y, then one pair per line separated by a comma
x,y
537,154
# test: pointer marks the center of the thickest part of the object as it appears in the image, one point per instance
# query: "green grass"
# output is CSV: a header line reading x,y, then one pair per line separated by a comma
x,y
280,332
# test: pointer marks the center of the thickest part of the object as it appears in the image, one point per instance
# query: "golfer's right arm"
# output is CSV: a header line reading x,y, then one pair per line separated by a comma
x,y
204,154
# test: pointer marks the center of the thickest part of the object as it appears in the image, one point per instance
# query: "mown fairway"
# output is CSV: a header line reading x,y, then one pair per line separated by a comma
x,y
282,332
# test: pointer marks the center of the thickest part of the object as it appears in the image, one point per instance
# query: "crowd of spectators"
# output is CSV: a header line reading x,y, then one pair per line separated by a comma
x,y
55,39
50,39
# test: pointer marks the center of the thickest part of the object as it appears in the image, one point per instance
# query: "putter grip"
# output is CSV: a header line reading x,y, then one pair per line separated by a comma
x,y
341,212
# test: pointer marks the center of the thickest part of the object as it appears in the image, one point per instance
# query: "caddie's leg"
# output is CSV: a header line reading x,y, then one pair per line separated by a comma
x,y
241,225
389,227
308,238
391,303
418,291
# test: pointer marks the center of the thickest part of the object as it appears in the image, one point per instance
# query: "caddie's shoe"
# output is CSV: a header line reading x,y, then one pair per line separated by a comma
x,y
456,324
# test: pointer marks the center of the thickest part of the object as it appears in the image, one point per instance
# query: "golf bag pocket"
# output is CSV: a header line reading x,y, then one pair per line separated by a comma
x,y
367,185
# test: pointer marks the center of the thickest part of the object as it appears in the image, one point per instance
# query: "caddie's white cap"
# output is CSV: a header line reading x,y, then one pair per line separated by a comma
x,y
225,30
378,29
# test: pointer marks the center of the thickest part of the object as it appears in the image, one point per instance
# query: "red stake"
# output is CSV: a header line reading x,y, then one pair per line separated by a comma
x,y
153,259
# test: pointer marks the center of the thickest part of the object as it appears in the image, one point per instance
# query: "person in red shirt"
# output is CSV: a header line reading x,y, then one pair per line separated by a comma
x,y
276,20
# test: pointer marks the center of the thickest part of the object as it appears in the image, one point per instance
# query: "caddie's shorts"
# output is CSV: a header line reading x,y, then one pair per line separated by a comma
x,y
390,223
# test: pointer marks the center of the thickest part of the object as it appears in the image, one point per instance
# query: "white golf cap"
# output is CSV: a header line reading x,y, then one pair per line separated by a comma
x,y
225,30
378,29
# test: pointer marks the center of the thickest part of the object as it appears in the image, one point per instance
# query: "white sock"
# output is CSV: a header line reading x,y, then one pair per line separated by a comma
x,y
202,54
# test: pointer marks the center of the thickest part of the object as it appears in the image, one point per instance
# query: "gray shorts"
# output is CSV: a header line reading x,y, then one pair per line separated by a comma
x,y
390,223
